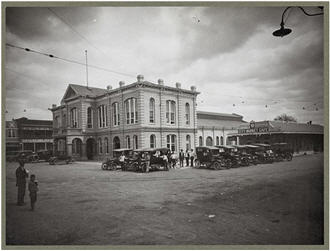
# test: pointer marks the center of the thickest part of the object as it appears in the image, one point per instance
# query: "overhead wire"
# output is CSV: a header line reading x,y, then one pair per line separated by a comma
x,y
68,60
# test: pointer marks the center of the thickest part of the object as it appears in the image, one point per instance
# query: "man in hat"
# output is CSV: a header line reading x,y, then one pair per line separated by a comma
x,y
21,175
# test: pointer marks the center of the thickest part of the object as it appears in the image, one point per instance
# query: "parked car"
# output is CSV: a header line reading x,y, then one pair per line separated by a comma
x,y
151,159
282,151
210,157
245,157
265,153
113,163
60,158
26,156
45,154
230,155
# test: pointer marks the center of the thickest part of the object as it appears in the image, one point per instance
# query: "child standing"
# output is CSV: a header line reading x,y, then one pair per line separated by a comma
x,y
33,189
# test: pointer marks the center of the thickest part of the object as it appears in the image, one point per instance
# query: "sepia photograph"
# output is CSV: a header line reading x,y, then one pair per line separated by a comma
x,y
171,124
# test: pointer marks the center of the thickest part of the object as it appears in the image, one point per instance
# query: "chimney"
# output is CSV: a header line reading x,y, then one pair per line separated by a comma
x,y
109,87
121,84
53,106
193,88
140,78
160,82
178,85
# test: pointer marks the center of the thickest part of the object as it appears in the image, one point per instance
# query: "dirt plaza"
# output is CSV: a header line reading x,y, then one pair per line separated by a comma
x,y
80,204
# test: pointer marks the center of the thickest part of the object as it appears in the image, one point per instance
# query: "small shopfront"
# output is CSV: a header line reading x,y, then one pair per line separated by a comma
x,y
301,138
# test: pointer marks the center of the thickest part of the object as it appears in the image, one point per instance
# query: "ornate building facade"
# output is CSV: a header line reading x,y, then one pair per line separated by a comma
x,y
91,122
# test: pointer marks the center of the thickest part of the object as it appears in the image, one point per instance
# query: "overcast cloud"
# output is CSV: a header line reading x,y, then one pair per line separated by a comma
x,y
230,55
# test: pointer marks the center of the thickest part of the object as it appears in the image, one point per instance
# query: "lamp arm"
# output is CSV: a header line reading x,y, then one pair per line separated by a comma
x,y
303,10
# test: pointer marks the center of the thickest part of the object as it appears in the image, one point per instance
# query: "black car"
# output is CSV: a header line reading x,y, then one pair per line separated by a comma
x,y
210,157
45,154
230,155
282,151
265,153
114,163
26,156
60,158
151,159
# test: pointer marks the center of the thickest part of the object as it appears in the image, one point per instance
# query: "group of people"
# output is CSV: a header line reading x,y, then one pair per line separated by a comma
x,y
21,175
189,156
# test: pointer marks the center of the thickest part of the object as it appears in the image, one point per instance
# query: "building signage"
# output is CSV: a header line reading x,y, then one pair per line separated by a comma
x,y
254,130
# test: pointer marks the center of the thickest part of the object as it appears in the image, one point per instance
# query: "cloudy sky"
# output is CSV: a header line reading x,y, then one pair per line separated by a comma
x,y
229,54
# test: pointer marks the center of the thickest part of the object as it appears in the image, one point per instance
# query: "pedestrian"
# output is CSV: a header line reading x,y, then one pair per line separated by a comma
x,y
165,161
187,157
173,159
169,154
33,189
181,157
21,175
122,161
192,157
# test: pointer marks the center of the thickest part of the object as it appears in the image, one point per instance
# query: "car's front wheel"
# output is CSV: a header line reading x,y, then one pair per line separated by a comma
x,y
197,163
104,166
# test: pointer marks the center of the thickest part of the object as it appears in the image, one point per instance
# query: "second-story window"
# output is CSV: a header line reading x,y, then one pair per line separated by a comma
x,y
116,115
89,117
170,112
128,142
152,110
102,116
131,111
187,114
11,133
74,118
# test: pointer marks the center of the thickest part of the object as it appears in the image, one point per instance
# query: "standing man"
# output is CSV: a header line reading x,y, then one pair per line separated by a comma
x,y
192,157
187,156
181,157
21,175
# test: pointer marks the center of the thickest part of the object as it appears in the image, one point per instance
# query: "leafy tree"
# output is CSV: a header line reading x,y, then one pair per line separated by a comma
x,y
285,117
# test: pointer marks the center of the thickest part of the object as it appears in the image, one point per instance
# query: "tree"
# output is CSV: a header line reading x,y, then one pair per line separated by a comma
x,y
286,118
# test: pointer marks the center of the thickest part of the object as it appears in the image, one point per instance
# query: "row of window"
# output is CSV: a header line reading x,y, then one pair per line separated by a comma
x,y
209,141
130,106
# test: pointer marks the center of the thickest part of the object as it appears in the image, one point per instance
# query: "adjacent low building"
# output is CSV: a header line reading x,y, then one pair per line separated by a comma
x,y
302,138
29,134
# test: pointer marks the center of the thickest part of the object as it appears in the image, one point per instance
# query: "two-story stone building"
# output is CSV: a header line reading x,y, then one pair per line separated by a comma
x,y
91,122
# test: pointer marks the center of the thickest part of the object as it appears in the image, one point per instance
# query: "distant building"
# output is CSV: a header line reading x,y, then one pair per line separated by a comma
x,y
215,129
302,138
29,134
91,122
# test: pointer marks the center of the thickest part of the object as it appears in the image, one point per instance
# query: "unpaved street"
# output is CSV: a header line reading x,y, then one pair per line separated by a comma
x,y
280,203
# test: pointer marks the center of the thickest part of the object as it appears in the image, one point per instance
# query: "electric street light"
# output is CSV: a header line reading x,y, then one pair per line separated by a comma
x,y
285,31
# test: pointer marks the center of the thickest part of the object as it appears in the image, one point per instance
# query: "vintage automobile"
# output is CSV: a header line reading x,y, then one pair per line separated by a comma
x,y
246,158
26,156
265,153
230,155
60,158
45,155
151,159
114,163
253,152
210,157
282,151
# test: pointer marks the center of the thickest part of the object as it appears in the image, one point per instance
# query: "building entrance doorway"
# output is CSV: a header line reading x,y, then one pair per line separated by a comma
x,y
90,148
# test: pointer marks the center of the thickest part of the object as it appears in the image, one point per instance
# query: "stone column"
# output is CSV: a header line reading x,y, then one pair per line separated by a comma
x,y
83,151
69,149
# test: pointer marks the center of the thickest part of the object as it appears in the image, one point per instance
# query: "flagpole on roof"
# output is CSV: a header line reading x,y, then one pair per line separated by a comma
x,y
86,68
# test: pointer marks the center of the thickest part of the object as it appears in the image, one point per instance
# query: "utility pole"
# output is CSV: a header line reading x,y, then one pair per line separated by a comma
x,y
86,68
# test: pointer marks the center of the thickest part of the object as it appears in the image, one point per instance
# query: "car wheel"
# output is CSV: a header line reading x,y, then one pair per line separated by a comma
x,y
104,166
197,164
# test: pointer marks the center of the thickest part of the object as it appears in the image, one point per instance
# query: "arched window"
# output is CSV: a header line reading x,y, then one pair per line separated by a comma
x,y
217,140
187,114
152,110
116,143
103,116
188,142
171,142
106,145
135,142
152,141
221,140
116,115
209,141
200,141
89,117
74,117
170,112
99,142
76,146
128,142
131,111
